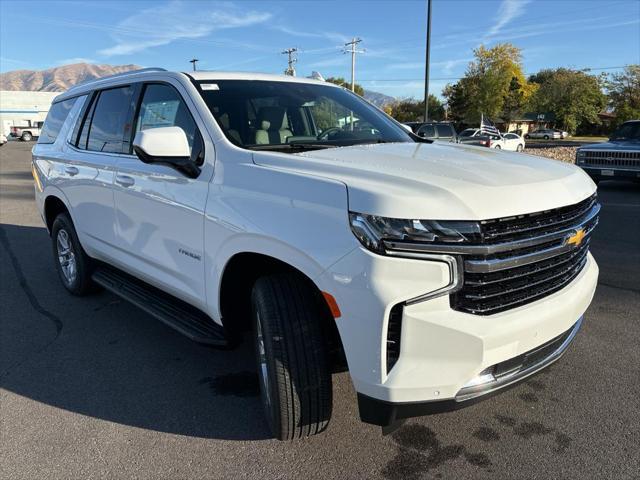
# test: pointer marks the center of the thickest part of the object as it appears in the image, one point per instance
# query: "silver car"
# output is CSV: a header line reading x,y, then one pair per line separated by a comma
x,y
545,133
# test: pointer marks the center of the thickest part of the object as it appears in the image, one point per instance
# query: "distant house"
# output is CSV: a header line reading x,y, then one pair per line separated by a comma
x,y
526,122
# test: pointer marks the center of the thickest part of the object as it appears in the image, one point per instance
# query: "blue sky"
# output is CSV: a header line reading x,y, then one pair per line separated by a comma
x,y
249,36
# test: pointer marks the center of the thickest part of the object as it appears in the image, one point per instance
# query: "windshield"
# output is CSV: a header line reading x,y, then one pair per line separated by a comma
x,y
627,131
275,115
467,133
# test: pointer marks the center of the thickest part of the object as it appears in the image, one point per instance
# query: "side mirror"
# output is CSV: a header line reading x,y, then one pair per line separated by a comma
x,y
168,146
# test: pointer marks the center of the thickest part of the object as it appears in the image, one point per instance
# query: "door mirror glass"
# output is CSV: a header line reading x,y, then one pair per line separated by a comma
x,y
166,145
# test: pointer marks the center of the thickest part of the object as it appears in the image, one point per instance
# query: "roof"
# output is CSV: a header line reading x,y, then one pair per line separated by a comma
x,y
203,76
159,73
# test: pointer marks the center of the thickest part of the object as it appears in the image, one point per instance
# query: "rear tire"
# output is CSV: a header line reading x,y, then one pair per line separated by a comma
x,y
73,265
26,137
291,353
498,147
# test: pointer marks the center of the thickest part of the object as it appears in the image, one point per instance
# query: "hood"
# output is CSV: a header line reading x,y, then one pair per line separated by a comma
x,y
440,181
613,145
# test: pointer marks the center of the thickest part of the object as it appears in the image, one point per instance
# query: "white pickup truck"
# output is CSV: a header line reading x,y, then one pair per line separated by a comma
x,y
27,133
221,203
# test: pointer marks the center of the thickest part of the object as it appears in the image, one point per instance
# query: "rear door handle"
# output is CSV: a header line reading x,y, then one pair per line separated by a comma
x,y
71,171
125,180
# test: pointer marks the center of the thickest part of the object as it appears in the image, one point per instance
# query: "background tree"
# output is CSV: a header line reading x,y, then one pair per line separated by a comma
x,y
412,110
342,82
624,93
494,85
574,97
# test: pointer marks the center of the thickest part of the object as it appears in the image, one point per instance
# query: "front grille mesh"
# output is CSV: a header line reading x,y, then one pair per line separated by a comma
x,y
486,293
611,159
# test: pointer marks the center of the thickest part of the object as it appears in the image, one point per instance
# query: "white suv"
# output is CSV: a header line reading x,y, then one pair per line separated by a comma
x,y
222,203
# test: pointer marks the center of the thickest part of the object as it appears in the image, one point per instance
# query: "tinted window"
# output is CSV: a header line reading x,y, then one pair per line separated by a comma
x,y
444,131
55,119
162,106
469,132
427,131
110,121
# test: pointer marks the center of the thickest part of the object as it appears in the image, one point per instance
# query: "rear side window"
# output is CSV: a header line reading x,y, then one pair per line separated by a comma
x,y
444,131
107,127
55,119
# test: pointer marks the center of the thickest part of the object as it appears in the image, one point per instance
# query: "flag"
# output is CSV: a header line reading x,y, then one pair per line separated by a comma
x,y
487,127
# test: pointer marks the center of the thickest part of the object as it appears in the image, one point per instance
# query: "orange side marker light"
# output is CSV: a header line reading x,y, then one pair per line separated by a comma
x,y
333,305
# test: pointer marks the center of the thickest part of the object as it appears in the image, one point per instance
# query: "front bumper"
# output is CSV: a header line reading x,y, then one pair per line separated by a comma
x,y
511,372
611,173
442,350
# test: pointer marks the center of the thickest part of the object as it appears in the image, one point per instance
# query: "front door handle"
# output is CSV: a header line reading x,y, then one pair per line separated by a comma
x,y
125,180
71,171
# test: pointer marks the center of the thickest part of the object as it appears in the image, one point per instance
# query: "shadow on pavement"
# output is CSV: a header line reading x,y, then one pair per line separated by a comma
x,y
101,357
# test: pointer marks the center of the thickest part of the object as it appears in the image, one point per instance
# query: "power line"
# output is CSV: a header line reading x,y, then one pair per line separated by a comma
x,y
583,69
292,58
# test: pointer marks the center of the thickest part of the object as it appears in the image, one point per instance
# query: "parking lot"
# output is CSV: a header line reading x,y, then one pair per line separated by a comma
x,y
94,387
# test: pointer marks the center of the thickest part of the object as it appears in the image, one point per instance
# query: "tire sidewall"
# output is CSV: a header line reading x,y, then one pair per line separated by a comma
x,y
26,137
63,222
271,412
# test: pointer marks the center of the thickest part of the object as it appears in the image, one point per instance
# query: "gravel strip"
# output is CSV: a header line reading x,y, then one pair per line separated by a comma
x,y
564,154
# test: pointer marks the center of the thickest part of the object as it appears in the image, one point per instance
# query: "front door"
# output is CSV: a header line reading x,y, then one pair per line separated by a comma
x,y
160,211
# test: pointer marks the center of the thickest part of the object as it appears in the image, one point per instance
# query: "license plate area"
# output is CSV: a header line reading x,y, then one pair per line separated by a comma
x,y
607,173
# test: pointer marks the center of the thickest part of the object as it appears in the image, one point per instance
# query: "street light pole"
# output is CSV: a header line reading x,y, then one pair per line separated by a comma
x,y
193,61
426,64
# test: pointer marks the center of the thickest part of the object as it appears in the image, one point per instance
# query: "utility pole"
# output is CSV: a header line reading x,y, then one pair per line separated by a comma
x,y
193,61
291,61
426,64
352,50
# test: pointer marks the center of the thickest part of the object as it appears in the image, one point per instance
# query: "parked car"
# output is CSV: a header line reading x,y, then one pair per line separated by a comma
x,y
545,133
441,131
513,142
221,203
28,132
563,133
414,126
617,159
3,140
474,136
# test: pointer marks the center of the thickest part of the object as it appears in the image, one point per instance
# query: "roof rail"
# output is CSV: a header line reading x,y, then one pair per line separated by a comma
x,y
121,74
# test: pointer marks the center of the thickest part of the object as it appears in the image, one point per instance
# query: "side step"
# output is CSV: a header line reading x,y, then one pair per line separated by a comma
x,y
173,312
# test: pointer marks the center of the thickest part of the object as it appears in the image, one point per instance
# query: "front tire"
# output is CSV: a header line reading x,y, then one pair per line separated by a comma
x,y
498,147
519,148
293,366
72,263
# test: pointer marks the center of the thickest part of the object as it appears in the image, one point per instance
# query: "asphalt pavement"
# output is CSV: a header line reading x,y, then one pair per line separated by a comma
x,y
94,387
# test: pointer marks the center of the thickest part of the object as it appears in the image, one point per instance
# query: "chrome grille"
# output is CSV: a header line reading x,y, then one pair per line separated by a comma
x,y
610,159
522,259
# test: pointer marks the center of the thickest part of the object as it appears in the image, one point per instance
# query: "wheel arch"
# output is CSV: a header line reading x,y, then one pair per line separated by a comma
x,y
237,279
54,205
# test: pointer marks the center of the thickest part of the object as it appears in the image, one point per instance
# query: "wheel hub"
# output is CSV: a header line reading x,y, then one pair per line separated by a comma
x,y
66,256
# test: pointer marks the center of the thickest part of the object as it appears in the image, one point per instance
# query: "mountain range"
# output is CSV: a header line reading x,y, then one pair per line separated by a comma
x,y
59,79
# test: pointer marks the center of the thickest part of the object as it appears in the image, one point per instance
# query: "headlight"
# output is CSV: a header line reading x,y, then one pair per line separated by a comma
x,y
373,231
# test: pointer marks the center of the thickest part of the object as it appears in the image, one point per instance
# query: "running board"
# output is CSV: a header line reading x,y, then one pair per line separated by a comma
x,y
175,313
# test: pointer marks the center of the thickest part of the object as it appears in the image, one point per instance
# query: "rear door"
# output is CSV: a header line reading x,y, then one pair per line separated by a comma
x,y
160,211
94,148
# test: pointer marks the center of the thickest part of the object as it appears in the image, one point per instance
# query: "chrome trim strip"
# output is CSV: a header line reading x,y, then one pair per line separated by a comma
x,y
494,248
486,266
455,274
502,382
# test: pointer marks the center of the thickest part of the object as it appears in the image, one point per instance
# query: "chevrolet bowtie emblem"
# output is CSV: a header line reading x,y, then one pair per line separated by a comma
x,y
576,238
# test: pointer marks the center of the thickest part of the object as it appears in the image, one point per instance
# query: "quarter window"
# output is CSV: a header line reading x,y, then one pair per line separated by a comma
x,y
444,131
55,119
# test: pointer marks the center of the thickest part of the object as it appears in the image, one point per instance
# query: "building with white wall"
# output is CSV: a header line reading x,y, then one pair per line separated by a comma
x,y
21,108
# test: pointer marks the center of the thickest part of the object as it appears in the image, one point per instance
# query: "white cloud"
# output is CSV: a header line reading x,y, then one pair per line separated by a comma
x,y
174,21
509,10
338,60
333,36
71,61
